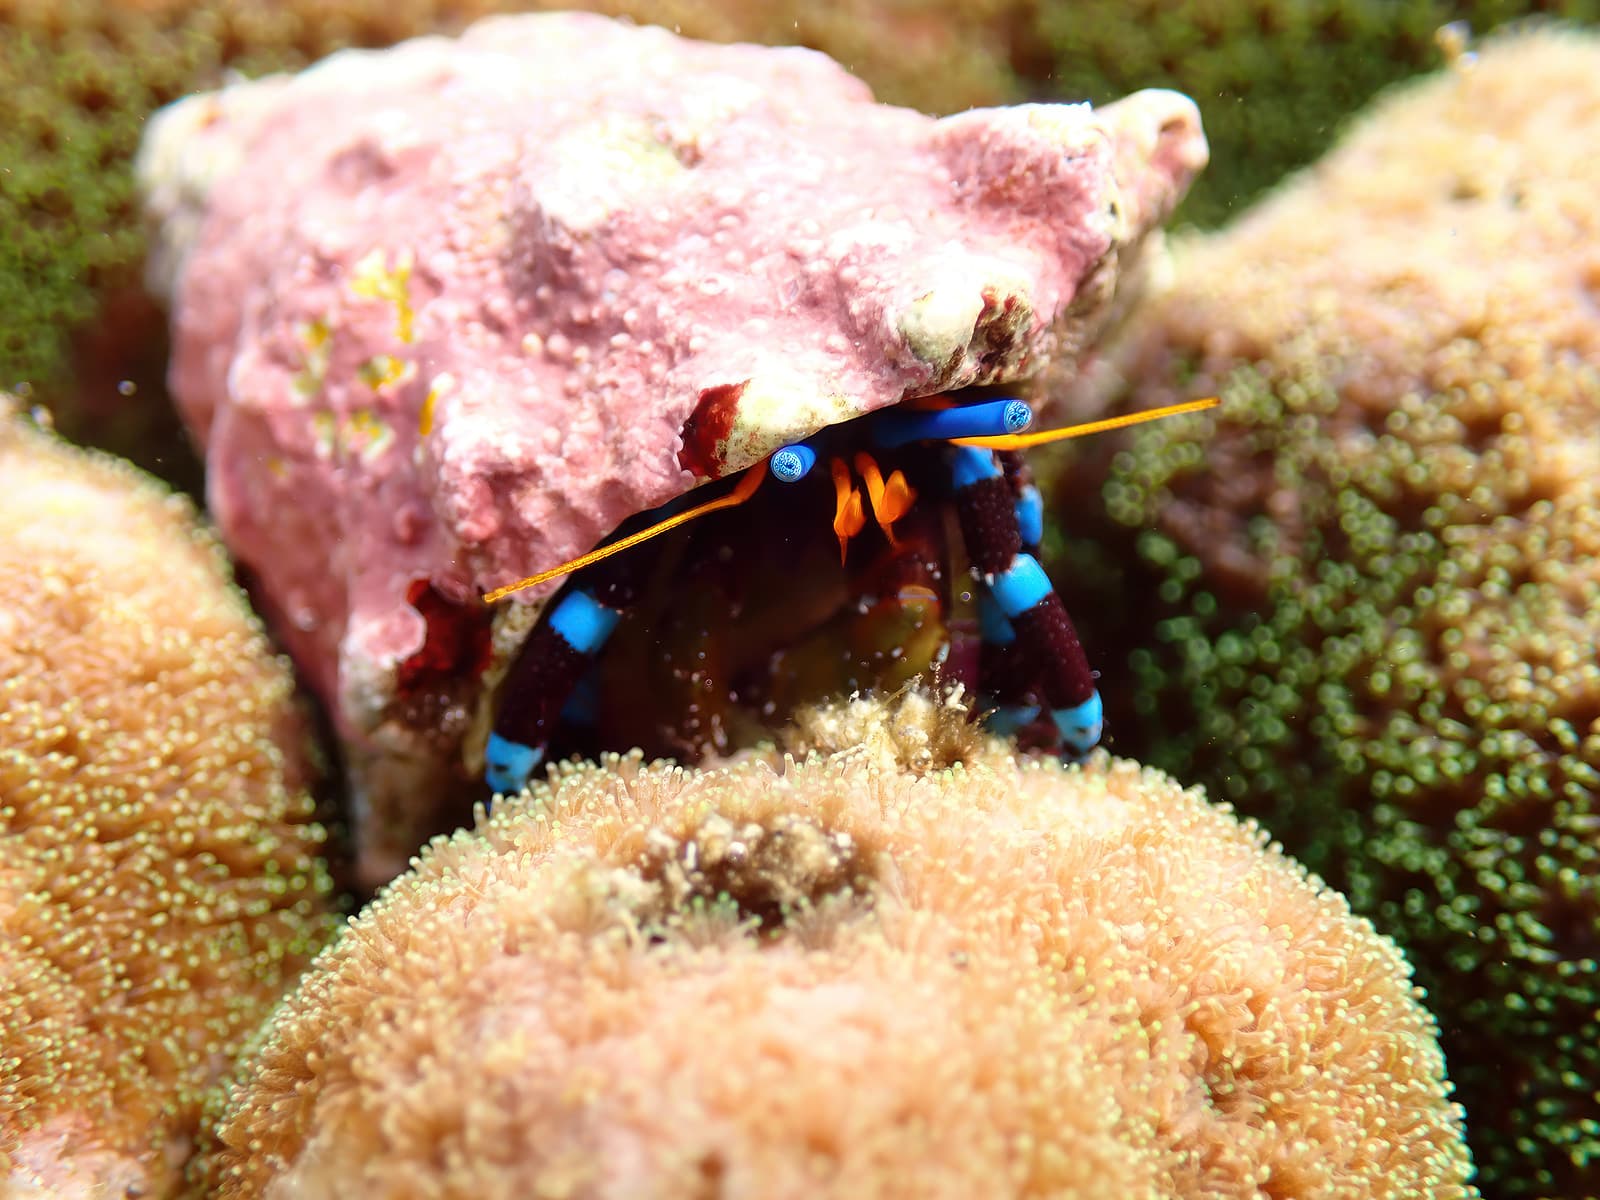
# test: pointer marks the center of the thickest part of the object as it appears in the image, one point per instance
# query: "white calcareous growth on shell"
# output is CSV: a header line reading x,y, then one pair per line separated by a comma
x,y
449,312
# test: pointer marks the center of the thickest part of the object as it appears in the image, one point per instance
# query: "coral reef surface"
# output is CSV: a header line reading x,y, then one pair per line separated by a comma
x,y
906,965
1376,574
446,314
160,878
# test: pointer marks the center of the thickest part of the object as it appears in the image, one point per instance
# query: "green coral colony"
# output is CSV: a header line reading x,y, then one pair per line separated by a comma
x,y
1372,577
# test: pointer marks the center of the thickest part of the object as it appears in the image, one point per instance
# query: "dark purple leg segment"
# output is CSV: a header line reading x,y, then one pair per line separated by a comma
x,y
1046,636
1030,647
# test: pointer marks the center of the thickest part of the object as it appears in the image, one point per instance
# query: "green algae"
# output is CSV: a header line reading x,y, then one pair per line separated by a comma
x,y
1275,79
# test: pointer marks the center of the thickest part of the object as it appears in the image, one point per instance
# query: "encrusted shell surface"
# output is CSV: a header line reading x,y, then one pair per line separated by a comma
x,y
451,311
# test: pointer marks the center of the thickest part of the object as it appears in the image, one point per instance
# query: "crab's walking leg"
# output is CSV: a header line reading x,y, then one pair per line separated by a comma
x,y
554,660
548,669
1028,605
1028,503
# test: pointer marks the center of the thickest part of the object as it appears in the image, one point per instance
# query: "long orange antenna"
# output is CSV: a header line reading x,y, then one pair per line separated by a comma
x,y
746,488
1021,441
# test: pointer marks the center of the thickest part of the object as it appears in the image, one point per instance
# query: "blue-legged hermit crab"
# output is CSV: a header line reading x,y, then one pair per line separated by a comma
x,y
449,316
1031,666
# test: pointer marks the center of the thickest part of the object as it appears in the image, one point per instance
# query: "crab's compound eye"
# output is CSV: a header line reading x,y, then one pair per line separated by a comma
x,y
1016,415
790,464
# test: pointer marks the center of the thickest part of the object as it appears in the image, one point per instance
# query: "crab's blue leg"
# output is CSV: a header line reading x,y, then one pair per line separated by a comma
x,y
551,665
553,662
1027,603
1000,671
1028,503
990,418
1003,671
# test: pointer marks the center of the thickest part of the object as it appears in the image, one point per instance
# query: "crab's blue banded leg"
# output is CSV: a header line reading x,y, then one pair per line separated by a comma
x,y
992,418
1030,603
998,669
1030,515
1027,602
551,665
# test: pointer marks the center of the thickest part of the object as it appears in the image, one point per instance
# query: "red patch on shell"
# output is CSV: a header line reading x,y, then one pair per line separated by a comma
x,y
455,646
710,423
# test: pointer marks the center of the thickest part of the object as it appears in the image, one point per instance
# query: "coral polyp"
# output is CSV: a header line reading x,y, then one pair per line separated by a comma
x,y
899,963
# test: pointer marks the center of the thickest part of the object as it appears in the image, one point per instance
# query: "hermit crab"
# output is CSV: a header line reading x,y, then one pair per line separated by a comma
x,y
1032,667
450,316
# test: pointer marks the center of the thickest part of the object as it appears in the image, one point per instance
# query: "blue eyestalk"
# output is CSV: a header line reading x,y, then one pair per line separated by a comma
x,y
790,464
992,418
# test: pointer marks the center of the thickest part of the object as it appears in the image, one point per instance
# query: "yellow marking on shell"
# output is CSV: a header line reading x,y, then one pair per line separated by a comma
x,y
385,370
316,345
373,279
425,418
367,434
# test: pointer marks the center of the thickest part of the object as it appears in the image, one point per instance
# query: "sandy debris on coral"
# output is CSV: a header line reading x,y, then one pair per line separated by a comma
x,y
846,977
160,879
1382,559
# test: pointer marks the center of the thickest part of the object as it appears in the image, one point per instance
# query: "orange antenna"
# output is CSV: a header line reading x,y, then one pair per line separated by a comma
x,y
1021,441
748,483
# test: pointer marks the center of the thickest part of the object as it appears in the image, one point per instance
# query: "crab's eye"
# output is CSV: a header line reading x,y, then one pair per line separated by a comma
x,y
993,418
790,464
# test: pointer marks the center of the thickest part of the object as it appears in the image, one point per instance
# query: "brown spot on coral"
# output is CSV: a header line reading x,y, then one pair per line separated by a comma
x,y
160,882
708,427
992,978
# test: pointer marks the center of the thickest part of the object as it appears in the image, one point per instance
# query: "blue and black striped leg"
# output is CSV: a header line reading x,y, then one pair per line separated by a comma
x,y
1004,683
550,666
1027,502
1003,670
1028,605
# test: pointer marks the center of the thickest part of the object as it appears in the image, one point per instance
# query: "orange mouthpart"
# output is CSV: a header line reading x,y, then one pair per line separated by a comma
x,y
849,518
891,499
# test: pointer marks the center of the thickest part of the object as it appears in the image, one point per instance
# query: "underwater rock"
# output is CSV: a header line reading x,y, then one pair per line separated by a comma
x,y
1379,564
446,314
908,964
1273,79
160,878
81,77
